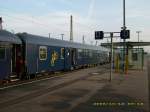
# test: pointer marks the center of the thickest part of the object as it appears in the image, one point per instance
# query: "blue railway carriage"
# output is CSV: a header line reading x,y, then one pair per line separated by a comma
x,y
43,54
10,54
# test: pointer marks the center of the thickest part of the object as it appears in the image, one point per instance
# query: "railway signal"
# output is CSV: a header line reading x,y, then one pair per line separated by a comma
x,y
99,35
125,34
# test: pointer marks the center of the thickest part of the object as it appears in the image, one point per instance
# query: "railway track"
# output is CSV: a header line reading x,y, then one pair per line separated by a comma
x,y
41,92
38,79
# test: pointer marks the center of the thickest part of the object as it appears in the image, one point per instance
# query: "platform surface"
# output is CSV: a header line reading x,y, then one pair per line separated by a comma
x,y
86,90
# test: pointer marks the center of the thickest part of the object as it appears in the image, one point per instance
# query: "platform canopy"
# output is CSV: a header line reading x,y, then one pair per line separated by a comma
x,y
129,44
6,36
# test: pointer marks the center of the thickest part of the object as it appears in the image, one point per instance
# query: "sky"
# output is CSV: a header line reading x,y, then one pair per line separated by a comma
x,y
42,17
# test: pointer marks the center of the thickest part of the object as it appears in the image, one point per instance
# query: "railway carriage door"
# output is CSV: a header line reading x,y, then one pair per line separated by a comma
x,y
73,56
67,59
70,58
13,59
5,61
17,59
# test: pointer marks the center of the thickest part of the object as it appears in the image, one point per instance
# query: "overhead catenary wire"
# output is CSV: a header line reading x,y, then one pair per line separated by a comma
x,y
34,21
31,20
21,19
24,20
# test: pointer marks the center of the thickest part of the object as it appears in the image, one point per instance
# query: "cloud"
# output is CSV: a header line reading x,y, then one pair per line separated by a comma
x,y
67,2
91,9
94,16
41,4
55,23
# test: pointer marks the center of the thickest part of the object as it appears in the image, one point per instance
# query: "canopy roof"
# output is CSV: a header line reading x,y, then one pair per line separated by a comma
x,y
129,44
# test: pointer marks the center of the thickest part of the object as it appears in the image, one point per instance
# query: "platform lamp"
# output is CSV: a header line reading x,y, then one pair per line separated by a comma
x,y
62,36
138,34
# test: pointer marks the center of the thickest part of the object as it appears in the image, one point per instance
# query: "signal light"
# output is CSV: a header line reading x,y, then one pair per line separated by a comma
x,y
125,34
99,35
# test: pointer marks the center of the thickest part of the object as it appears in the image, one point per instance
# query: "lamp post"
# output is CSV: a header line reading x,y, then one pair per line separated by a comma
x,y
138,33
49,34
62,36
124,14
124,40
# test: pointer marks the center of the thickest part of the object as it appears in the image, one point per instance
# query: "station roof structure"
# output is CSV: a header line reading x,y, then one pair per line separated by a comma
x,y
129,44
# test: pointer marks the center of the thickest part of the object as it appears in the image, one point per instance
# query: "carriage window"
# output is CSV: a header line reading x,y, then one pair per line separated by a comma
x,y
62,53
86,52
90,53
43,53
2,53
80,53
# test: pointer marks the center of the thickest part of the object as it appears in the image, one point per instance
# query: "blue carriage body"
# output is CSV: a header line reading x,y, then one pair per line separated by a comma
x,y
7,40
30,54
74,54
53,61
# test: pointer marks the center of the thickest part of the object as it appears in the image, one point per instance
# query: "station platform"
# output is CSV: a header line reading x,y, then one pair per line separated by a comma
x,y
85,90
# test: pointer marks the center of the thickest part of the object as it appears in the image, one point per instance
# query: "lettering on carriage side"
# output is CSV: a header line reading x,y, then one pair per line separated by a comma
x,y
54,58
